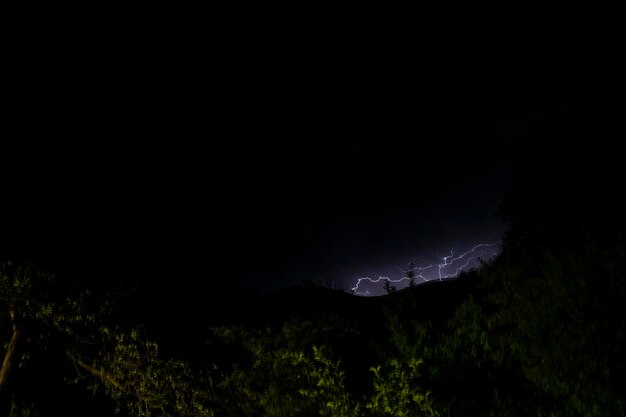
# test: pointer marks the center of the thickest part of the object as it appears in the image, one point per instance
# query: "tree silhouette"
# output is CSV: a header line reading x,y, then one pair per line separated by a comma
x,y
388,287
410,273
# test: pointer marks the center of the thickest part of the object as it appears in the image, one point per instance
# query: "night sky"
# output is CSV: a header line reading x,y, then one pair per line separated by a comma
x,y
264,157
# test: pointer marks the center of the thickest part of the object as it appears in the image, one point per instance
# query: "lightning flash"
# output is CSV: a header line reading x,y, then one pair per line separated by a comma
x,y
449,266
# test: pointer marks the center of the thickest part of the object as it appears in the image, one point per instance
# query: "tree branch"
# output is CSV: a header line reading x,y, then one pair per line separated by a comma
x,y
95,371
124,388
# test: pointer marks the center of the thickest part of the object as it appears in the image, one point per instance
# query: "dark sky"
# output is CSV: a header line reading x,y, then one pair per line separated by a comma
x,y
267,156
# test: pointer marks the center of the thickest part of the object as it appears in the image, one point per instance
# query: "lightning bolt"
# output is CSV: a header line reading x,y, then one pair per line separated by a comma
x,y
450,266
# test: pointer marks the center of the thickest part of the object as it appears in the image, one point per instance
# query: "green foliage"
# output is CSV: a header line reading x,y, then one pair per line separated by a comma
x,y
24,410
549,318
124,365
539,332
539,337
409,337
542,334
329,390
281,377
397,392
142,383
24,290
33,300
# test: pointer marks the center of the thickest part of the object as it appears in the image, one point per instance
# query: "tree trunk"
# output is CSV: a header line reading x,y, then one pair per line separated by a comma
x,y
8,357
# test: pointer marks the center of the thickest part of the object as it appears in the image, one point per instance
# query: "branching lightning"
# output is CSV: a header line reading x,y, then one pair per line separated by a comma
x,y
450,266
